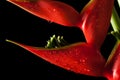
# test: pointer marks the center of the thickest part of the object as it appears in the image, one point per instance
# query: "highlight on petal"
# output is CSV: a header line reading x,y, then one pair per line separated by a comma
x,y
79,58
51,10
116,68
95,21
112,68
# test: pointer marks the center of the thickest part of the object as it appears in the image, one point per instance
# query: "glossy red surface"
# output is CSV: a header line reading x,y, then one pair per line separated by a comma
x,y
83,58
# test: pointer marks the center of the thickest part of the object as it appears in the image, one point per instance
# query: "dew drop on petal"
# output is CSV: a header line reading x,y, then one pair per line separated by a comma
x,y
87,70
54,10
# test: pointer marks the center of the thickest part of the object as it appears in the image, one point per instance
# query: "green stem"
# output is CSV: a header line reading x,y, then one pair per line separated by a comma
x,y
115,22
109,67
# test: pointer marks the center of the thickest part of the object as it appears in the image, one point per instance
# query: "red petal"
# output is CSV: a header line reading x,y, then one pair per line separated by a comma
x,y
112,70
95,20
50,10
80,58
116,68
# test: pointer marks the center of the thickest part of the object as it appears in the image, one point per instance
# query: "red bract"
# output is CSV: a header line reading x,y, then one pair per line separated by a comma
x,y
50,10
80,58
95,20
112,68
83,58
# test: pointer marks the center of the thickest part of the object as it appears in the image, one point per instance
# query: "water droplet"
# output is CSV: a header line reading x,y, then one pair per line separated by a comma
x,y
82,60
54,10
77,52
76,62
70,52
87,70
68,68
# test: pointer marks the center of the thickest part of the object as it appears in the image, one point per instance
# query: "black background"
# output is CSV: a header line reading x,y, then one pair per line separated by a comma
x,y
18,25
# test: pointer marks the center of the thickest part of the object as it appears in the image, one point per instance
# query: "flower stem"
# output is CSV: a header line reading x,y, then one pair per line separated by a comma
x,y
112,64
115,22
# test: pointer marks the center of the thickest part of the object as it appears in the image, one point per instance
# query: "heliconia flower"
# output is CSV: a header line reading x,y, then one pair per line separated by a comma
x,y
112,68
95,20
51,10
80,57
84,57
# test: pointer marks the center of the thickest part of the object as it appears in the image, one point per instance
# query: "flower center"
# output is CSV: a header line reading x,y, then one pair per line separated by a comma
x,y
56,42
